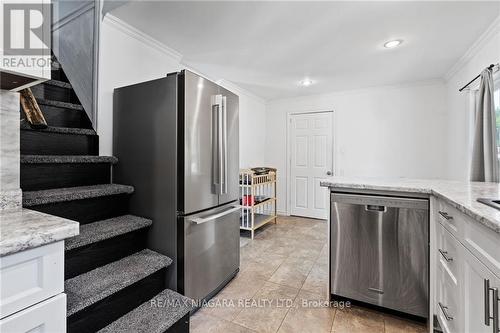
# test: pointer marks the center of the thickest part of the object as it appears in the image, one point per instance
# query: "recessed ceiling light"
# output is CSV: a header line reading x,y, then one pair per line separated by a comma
x,y
393,43
306,82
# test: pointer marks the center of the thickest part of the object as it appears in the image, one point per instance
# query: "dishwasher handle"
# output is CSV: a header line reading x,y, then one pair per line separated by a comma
x,y
376,208
379,201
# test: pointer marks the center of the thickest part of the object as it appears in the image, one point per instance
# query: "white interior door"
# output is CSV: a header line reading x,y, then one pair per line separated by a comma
x,y
311,160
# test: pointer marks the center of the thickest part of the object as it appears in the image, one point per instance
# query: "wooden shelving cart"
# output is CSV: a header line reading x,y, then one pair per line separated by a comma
x,y
257,199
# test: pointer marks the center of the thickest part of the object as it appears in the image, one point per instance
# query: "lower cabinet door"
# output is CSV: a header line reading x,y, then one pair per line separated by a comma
x,y
478,300
48,316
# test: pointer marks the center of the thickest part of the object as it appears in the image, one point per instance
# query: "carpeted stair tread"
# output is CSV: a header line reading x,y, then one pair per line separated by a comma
x,y
154,316
41,197
89,288
105,229
58,83
60,130
59,104
39,159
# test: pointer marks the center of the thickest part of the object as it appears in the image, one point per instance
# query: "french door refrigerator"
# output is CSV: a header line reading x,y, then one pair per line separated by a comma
x,y
177,141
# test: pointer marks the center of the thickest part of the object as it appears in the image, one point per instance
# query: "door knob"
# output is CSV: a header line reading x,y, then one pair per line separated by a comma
x,y
329,173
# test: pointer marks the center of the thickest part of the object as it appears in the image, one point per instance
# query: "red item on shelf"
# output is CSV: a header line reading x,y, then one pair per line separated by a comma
x,y
248,200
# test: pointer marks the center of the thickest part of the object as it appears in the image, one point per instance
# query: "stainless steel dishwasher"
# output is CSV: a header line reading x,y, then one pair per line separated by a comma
x,y
379,251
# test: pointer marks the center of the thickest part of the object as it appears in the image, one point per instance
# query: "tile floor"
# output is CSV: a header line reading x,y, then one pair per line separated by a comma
x,y
282,287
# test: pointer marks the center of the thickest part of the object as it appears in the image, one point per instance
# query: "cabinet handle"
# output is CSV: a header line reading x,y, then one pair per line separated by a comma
x,y
443,309
495,310
445,215
445,255
496,299
487,302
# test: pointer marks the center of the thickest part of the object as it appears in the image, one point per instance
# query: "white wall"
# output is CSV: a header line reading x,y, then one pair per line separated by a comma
x,y
397,131
129,56
484,52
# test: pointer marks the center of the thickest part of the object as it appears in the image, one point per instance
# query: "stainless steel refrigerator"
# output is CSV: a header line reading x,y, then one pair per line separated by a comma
x,y
177,141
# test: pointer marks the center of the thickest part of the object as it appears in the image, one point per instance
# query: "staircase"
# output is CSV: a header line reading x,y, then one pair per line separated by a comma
x,y
112,281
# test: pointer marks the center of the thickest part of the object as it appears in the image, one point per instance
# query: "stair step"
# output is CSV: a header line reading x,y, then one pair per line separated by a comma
x,y
154,316
89,288
63,159
58,83
60,104
62,117
60,130
42,197
101,296
105,241
42,172
105,229
58,141
50,94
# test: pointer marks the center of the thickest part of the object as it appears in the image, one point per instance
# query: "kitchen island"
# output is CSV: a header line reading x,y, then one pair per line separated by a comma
x,y
463,245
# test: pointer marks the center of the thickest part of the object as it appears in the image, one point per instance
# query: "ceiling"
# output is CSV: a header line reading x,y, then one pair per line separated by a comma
x,y
267,48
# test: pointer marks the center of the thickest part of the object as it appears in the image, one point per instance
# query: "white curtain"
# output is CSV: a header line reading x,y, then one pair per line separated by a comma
x,y
484,164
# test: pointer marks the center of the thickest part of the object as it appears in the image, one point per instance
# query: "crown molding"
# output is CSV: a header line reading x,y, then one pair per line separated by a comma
x,y
485,37
141,36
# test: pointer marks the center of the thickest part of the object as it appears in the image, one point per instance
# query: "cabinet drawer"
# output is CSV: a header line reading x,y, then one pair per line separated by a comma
x,y
448,306
450,217
46,317
449,254
30,276
484,243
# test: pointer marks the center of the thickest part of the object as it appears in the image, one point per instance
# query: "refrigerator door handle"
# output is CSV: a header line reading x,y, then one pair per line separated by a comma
x,y
215,147
224,143
199,220
220,143
217,136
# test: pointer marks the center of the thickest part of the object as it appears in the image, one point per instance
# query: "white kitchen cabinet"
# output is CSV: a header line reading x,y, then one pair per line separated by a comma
x,y
48,316
31,276
467,256
31,290
475,296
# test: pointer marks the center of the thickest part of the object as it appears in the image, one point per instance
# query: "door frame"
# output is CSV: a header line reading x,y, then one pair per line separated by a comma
x,y
288,162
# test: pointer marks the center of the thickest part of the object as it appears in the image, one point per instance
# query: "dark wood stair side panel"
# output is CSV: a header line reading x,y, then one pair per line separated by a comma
x,y
88,210
62,117
55,175
51,92
102,313
81,260
49,143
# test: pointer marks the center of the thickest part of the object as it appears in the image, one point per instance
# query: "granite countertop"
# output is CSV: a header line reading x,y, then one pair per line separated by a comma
x,y
461,195
22,229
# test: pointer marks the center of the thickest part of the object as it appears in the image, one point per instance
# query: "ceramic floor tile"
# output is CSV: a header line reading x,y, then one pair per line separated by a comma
x,y
261,319
317,280
254,270
357,320
204,323
268,308
276,293
308,319
292,272
396,325
231,300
